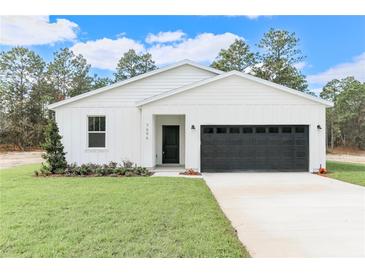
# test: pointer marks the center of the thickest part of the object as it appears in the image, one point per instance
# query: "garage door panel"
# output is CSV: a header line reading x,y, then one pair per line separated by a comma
x,y
241,147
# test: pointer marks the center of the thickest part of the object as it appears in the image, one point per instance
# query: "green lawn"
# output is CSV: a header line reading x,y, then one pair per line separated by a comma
x,y
352,173
111,217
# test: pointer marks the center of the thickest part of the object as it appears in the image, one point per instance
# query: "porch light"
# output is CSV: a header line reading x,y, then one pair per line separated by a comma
x,y
319,127
192,127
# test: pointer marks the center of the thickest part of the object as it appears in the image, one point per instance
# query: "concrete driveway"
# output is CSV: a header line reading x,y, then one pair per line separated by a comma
x,y
292,214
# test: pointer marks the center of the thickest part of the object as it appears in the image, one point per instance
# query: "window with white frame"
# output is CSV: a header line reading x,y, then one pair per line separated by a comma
x,y
96,131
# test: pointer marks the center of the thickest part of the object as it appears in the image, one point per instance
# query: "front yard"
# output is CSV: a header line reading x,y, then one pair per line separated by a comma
x,y
348,172
111,217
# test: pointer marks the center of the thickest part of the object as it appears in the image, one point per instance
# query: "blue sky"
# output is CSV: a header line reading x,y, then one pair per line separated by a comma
x,y
334,45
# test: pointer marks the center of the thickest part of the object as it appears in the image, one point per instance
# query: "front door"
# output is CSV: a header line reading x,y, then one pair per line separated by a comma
x,y
170,144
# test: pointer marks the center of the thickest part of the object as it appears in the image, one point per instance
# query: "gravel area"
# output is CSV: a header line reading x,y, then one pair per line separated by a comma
x,y
346,158
11,159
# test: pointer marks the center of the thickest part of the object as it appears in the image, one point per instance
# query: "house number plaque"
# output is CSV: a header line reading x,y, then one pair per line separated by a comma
x,y
147,131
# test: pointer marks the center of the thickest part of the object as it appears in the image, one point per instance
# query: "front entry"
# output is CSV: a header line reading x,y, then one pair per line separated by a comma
x,y
170,144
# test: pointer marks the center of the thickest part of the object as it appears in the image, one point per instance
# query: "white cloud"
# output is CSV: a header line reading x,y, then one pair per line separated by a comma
x,y
35,30
300,65
105,53
355,68
164,37
202,48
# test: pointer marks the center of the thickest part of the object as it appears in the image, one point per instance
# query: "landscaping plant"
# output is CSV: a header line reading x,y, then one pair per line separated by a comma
x,y
54,153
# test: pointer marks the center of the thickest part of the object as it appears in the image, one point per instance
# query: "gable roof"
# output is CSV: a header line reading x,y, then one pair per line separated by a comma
x,y
133,79
229,74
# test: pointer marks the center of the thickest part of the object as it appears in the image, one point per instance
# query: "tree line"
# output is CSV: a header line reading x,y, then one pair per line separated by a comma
x,y
28,84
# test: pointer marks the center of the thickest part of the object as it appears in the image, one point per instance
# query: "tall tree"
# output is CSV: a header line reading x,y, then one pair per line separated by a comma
x,y
350,107
277,59
237,57
68,75
330,92
21,73
132,64
346,121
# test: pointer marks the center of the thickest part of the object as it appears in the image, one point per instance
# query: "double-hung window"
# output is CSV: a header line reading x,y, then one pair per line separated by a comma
x,y
96,131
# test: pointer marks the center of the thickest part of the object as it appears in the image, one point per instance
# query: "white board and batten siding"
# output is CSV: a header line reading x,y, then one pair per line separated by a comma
x,y
123,118
237,101
133,129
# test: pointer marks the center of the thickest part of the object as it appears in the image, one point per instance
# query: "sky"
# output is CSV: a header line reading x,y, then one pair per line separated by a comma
x,y
334,46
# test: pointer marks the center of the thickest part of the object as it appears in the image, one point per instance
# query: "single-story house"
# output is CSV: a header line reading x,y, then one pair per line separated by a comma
x,y
197,117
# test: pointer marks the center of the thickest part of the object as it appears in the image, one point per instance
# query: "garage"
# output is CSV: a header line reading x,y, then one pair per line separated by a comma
x,y
254,147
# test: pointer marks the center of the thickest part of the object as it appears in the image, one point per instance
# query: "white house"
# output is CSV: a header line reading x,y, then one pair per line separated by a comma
x,y
197,117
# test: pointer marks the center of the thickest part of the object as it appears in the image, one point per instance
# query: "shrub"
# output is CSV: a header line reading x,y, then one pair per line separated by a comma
x,y
128,164
112,165
120,171
85,169
127,169
128,173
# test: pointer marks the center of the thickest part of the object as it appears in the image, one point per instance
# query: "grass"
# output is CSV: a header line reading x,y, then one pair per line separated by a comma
x,y
111,217
348,172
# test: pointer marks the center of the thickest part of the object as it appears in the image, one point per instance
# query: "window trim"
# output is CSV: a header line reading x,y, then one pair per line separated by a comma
x,y
105,132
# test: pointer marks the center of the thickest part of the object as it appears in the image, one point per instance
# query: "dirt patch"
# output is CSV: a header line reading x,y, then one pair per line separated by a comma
x,y
12,159
5,148
347,151
346,158
346,154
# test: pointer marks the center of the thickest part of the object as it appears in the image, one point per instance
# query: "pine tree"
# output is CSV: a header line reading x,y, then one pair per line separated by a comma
x,y
67,75
54,155
279,53
21,72
237,57
132,64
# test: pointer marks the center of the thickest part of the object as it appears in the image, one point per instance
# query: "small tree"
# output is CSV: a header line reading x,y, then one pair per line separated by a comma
x,y
54,156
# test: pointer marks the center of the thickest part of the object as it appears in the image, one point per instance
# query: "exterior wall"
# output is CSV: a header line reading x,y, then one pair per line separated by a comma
x,y
239,101
170,120
122,134
123,120
134,133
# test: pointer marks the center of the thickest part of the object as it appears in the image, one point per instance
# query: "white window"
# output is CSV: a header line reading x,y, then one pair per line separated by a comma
x,y
96,131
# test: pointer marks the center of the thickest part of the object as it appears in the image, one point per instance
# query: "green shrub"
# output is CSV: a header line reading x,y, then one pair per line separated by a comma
x,y
128,164
113,169
128,173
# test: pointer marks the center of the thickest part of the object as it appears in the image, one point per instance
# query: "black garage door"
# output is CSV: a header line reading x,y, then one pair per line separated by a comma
x,y
265,148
